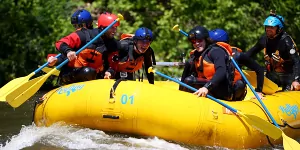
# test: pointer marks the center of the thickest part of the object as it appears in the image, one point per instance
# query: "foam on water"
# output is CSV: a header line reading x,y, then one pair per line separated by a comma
x,y
69,137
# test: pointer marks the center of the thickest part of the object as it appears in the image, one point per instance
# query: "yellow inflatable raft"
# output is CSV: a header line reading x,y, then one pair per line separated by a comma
x,y
161,110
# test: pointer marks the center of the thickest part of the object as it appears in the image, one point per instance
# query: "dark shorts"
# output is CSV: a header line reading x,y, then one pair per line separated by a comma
x,y
72,75
283,80
221,91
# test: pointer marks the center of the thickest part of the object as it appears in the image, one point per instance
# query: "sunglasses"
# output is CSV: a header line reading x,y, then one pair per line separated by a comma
x,y
146,42
197,41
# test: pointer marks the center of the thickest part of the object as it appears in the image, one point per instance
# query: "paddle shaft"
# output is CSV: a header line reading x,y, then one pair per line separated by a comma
x,y
169,64
44,65
90,42
194,89
184,33
253,91
181,31
25,91
63,63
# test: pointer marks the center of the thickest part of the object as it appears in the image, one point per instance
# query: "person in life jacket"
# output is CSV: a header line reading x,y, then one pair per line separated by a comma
x,y
85,19
220,35
134,53
280,53
89,63
189,74
212,63
112,45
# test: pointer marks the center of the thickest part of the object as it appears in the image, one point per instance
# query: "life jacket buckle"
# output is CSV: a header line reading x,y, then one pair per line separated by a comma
x,y
123,74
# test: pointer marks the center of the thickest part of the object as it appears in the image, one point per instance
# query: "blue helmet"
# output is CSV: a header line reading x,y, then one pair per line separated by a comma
x,y
274,20
143,33
82,17
219,35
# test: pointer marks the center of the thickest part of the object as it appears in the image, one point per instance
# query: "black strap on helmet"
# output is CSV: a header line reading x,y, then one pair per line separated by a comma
x,y
74,19
147,36
273,14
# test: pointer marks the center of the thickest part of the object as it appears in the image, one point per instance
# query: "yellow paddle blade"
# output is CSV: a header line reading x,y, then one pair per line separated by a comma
x,y
12,85
25,91
262,125
176,27
289,143
120,17
269,86
47,69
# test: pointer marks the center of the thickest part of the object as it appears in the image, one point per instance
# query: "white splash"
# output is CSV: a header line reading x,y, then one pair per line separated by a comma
x,y
68,137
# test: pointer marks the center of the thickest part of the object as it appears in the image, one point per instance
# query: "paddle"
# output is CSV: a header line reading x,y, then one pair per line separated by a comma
x,y
176,28
269,86
15,83
169,64
256,122
288,143
18,96
48,69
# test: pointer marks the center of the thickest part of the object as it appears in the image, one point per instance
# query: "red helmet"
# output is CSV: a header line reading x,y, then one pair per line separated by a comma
x,y
105,19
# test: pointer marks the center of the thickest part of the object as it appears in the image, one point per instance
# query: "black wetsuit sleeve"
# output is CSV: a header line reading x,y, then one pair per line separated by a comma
x,y
291,50
71,42
106,65
60,59
123,50
259,70
218,56
188,70
148,63
257,47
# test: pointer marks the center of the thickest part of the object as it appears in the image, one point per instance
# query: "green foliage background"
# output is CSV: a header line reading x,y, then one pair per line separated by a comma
x,y
29,29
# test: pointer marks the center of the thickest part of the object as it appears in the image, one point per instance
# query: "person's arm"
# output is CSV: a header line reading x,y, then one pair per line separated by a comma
x,y
106,66
60,59
187,70
257,47
148,63
123,50
253,65
217,55
53,61
68,43
292,50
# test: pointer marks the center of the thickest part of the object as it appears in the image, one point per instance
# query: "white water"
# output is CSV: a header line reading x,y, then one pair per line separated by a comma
x,y
68,137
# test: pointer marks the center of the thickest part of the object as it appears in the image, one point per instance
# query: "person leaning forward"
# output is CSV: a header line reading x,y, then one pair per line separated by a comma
x,y
280,53
220,35
90,61
134,53
213,67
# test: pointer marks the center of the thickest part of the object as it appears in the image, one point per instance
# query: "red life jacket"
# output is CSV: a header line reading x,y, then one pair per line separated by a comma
x,y
113,60
206,68
89,57
235,50
129,65
197,65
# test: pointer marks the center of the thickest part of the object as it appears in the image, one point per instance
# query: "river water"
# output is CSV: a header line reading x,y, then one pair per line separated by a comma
x,y
18,132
